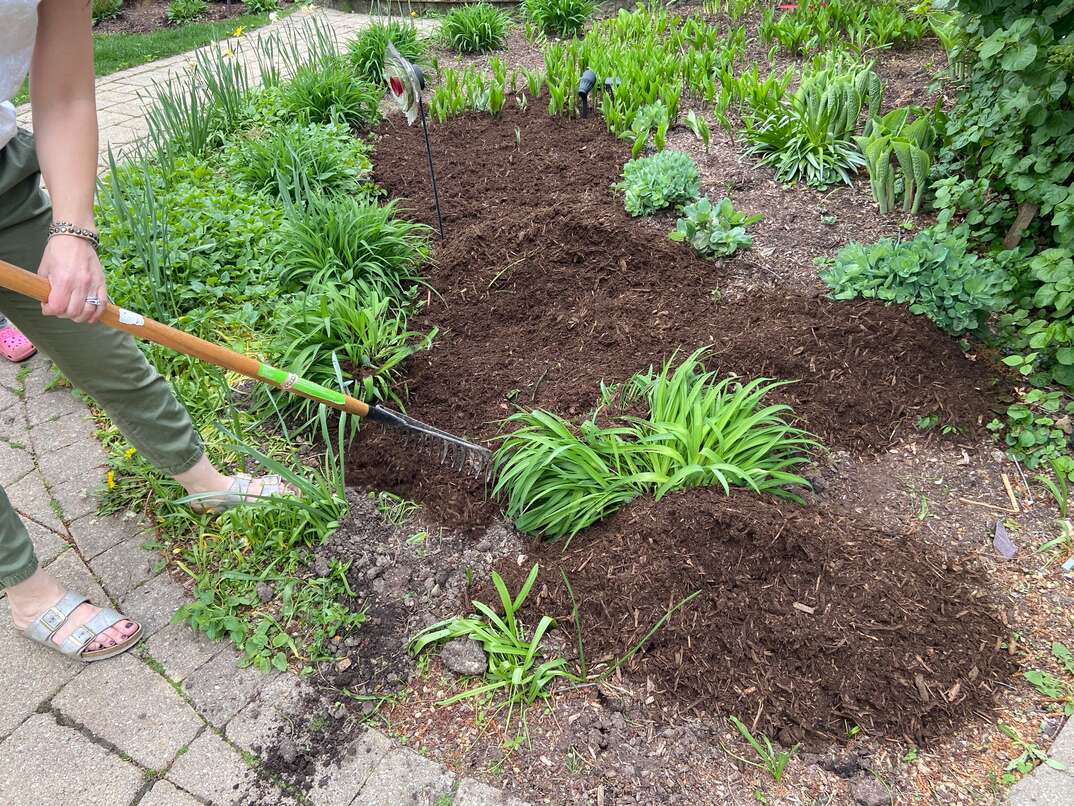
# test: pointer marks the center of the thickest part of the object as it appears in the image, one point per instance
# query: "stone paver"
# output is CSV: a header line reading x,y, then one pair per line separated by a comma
x,y
179,650
403,776
1044,787
47,544
151,723
95,534
212,770
475,793
30,675
338,781
46,764
15,463
125,566
269,714
220,689
31,499
78,497
165,793
154,601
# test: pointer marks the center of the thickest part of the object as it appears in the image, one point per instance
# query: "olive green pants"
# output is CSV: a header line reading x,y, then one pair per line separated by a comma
x,y
102,362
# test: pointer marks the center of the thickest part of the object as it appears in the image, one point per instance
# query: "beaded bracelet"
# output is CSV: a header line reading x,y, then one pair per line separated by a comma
x,y
66,228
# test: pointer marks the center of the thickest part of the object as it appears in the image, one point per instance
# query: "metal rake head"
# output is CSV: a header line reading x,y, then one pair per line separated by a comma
x,y
452,451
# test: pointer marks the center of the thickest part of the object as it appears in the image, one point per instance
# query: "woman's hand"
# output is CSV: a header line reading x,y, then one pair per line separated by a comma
x,y
71,265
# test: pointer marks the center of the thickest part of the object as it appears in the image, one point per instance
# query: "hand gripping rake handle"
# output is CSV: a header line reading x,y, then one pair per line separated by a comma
x,y
465,455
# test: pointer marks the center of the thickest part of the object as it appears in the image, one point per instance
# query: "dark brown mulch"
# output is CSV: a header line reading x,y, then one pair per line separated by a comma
x,y
807,622
151,15
544,287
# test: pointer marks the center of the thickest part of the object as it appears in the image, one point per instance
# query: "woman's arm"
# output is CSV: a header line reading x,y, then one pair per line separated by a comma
x,y
65,129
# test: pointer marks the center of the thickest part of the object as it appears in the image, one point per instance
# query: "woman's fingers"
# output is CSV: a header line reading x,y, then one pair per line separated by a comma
x,y
102,298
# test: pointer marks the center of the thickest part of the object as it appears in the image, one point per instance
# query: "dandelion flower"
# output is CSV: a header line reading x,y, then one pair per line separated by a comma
x,y
129,453
111,480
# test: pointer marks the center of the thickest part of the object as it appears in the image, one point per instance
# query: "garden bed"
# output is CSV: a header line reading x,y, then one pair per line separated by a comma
x,y
545,287
151,15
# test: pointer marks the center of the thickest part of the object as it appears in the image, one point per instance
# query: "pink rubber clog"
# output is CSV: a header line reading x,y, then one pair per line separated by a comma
x,y
14,346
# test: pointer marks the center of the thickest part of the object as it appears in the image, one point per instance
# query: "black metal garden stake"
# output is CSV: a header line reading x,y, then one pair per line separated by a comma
x,y
406,81
429,154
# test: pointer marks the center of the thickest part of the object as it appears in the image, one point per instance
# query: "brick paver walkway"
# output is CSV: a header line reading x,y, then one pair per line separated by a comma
x,y
174,722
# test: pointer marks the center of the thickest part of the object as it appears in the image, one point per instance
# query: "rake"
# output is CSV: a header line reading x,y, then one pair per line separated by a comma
x,y
454,451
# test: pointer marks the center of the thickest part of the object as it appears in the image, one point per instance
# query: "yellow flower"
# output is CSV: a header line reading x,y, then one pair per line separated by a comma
x,y
127,454
239,31
111,480
413,13
229,53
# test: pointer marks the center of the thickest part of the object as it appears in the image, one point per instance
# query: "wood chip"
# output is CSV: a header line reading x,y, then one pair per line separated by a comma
x,y
1010,494
343,665
953,691
804,608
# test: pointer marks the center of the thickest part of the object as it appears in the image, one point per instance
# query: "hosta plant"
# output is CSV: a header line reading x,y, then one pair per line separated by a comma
x,y
714,231
936,274
905,136
810,139
474,28
182,11
667,179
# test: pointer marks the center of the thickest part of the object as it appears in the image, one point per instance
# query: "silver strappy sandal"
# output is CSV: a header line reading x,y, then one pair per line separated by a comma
x,y
239,493
48,623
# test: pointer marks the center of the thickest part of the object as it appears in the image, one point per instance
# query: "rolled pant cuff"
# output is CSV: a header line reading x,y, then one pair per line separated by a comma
x,y
174,468
20,575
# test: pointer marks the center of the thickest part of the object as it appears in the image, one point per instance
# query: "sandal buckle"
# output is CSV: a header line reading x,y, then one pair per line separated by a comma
x,y
52,618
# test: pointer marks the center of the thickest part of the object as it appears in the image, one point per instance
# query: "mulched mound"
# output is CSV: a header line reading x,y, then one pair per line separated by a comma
x,y
544,287
152,15
807,623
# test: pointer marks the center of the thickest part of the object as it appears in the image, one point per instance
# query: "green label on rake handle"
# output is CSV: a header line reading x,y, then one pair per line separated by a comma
x,y
293,383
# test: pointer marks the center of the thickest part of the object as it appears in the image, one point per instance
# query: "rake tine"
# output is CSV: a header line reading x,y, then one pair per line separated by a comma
x,y
455,452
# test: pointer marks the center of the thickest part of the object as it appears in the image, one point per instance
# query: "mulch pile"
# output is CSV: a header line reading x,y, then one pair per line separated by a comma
x,y
807,623
544,287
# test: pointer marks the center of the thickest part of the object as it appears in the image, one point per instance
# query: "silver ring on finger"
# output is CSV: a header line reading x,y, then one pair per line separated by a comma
x,y
94,301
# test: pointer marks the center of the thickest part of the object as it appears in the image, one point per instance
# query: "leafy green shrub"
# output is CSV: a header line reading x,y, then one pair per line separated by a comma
x,y
328,92
474,28
365,333
366,53
348,240
718,231
560,17
663,180
935,274
297,158
105,9
180,11
810,138
261,6
1041,325
700,431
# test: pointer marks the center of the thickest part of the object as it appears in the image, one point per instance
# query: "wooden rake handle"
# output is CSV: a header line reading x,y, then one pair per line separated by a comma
x,y
30,285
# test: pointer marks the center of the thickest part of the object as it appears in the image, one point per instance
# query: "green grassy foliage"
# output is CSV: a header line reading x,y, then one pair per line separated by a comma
x,y
474,28
700,431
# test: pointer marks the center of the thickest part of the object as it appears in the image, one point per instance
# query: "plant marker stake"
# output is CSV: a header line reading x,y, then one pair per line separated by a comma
x,y
406,81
